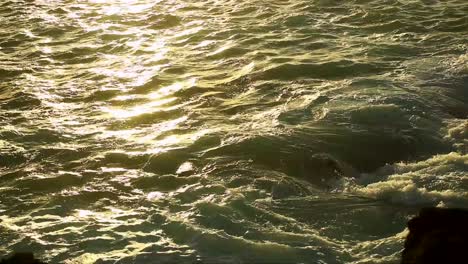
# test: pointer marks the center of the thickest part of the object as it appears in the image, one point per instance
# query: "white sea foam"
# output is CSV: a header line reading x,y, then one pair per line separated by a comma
x,y
428,182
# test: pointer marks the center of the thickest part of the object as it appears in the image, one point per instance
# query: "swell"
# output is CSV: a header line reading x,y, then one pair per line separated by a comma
x,y
228,131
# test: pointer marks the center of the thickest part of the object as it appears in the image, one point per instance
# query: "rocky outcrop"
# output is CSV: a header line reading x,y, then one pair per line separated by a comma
x,y
437,235
21,258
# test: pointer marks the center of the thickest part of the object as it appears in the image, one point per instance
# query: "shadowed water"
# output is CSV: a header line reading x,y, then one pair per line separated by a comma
x,y
221,131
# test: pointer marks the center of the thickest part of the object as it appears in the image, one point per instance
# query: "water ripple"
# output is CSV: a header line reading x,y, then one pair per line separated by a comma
x,y
228,131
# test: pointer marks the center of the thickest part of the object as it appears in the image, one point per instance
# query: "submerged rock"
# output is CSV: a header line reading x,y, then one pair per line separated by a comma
x,y
437,235
21,258
284,190
324,170
311,172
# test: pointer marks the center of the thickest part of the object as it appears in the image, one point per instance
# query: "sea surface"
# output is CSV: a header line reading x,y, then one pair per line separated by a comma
x,y
228,131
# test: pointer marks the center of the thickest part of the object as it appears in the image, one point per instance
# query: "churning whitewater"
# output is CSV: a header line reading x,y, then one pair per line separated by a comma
x,y
228,131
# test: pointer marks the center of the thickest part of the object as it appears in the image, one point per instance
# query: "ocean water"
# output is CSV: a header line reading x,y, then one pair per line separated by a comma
x,y
222,131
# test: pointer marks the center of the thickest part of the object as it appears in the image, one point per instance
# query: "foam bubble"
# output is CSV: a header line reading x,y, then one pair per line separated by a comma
x,y
432,181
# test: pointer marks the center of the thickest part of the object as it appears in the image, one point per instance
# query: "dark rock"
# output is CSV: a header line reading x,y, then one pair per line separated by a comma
x,y
437,235
167,162
21,258
283,190
324,171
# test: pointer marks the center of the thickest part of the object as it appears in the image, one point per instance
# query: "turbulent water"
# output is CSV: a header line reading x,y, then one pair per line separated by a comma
x,y
228,131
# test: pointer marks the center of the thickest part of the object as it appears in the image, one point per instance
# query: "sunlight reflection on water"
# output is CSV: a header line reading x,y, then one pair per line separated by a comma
x,y
228,131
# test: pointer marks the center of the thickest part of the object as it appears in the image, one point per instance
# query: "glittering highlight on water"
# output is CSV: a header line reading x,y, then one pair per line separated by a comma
x,y
222,131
